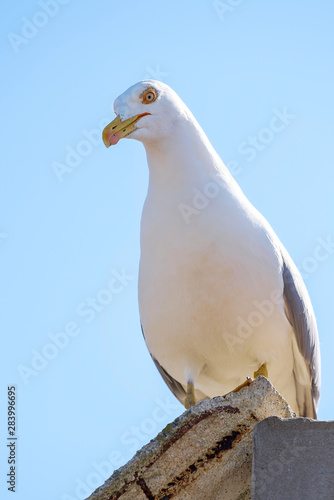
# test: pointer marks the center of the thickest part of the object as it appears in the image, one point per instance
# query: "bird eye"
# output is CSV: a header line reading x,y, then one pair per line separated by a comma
x,y
149,96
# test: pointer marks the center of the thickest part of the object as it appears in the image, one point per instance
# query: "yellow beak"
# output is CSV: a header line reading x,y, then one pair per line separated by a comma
x,y
117,129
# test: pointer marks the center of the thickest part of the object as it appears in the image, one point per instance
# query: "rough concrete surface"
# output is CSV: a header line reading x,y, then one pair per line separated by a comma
x,y
293,459
205,454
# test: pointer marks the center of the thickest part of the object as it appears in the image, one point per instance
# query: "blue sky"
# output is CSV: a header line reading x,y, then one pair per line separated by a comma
x,y
88,394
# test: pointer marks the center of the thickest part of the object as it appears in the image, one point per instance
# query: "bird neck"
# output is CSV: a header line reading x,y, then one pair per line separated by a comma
x,y
183,157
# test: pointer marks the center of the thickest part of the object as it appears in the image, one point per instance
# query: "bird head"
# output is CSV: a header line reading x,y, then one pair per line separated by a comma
x,y
147,112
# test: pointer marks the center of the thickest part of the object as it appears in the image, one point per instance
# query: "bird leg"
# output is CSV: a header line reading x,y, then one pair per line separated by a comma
x,y
263,370
247,382
190,397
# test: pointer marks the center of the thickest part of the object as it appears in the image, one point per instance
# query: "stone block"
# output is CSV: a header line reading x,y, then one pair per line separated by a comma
x,y
205,454
293,459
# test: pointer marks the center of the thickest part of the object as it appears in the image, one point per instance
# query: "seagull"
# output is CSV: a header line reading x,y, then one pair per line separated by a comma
x,y
220,298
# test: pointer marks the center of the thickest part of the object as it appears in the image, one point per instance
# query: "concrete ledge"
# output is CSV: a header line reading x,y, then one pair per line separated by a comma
x,y
293,459
204,454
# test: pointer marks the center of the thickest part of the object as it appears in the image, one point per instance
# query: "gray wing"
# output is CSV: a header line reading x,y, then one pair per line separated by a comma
x,y
175,386
299,311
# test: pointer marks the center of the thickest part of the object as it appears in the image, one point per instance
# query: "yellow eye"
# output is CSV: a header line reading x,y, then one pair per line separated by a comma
x,y
149,96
